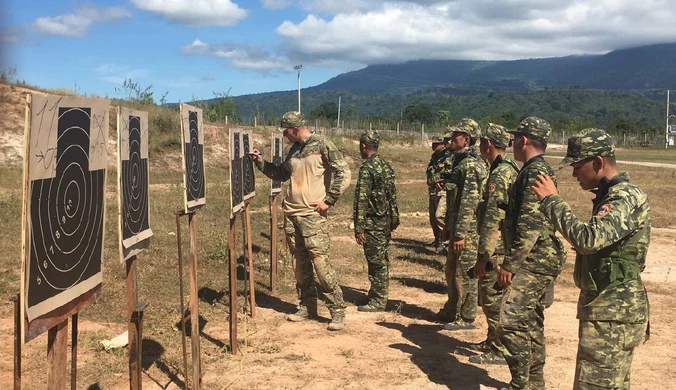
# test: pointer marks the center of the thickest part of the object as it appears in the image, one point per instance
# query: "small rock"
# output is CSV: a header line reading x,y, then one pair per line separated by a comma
x,y
171,233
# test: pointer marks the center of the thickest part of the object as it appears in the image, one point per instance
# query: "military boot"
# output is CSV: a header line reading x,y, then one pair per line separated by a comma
x,y
337,321
488,358
303,313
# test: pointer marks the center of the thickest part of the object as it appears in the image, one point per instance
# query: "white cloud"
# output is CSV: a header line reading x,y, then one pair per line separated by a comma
x,y
239,56
116,74
77,24
275,4
195,13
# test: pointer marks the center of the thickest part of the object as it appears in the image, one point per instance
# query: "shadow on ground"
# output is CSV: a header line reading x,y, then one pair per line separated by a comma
x,y
152,355
415,246
427,286
434,353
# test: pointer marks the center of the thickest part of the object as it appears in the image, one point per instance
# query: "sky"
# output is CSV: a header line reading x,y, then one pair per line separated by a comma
x,y
195,48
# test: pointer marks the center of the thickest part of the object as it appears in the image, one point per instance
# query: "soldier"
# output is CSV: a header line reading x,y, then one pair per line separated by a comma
x,y
611,254
466,179
376,216
437,197
503,172
533,259
319,177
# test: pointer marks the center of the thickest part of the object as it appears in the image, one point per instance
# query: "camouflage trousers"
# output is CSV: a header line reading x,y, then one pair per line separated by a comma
x,y
521,329
604,354
461,289
490,300
437,212
308,241
376,249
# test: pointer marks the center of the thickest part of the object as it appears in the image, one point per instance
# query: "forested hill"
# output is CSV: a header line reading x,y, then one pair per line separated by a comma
x,y
638,68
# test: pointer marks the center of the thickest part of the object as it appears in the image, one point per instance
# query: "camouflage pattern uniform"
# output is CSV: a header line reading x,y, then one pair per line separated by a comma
x,y
318,173
467,178
375,214
611,253
437,197
535,256
503,172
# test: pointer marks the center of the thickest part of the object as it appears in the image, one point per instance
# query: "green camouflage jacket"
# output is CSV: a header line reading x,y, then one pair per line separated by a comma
x,y
530,242
443,168
465,182
432,171
611,250
319,174
375,197
503,173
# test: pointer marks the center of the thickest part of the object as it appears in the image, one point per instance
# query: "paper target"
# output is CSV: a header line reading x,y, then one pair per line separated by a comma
x,y
248,178
65,211
133,182
193,157
236,166
277,159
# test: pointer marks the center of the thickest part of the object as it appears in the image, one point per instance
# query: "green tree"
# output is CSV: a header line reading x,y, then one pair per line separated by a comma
x,y
326,110
136,93
418,112
443,117
221,106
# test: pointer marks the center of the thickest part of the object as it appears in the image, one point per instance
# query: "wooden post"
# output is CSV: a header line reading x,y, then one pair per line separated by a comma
x,y
57,348
73,353
233,287
17,341
180,289
249,249
422,131
273,244
194,305
134,337
398,128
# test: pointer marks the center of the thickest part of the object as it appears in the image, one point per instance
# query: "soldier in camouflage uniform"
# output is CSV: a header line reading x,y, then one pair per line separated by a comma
x,y
465,181
611,254
376,216
437,197
534,257
319,176
503,172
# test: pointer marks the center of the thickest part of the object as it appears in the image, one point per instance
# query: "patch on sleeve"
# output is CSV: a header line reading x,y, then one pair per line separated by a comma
x,y
491,187
605,209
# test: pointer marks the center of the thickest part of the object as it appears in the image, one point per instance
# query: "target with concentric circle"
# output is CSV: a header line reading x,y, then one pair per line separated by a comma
x,y
277,158
193,157
248,178
236,200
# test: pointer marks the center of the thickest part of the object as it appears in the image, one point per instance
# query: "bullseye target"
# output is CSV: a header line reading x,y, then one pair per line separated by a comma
x,y
236,166
133,181
193,157
248,178
65,211
277,158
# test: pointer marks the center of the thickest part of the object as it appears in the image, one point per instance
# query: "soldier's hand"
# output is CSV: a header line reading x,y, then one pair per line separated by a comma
x,y
504,277
458,245
320,207
256,156
544,186
393,233
480,269
360,238
439,185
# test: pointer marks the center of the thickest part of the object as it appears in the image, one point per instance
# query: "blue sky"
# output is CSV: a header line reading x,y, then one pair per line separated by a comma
x,y
196,47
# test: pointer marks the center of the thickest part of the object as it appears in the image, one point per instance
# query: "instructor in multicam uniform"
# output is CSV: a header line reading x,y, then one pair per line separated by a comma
x,y
317,176
611,254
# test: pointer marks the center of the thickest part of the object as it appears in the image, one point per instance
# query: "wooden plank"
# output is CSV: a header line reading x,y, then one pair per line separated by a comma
x,y
73,353
16,299
179,214
132,301
233,287
249,250
194,305
273,244
24,219
57,351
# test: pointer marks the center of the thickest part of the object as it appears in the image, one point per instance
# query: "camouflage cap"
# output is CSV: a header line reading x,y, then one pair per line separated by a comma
x,y
497,134
370,138
469,127
534,127
449,133
292,119
588,143
437,139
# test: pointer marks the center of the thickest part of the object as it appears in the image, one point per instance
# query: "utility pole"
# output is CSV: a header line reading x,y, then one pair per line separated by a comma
x,y
338,123
298,68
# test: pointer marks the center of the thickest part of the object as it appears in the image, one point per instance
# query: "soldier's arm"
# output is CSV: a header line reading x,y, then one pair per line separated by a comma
x,y
362,192
394,205
471,196
275,172
340,171
490,225
615,220
529,225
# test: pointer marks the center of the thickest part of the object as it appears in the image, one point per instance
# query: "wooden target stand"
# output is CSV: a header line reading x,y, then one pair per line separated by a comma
x,y
135,311
249,285
194,301
273,243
